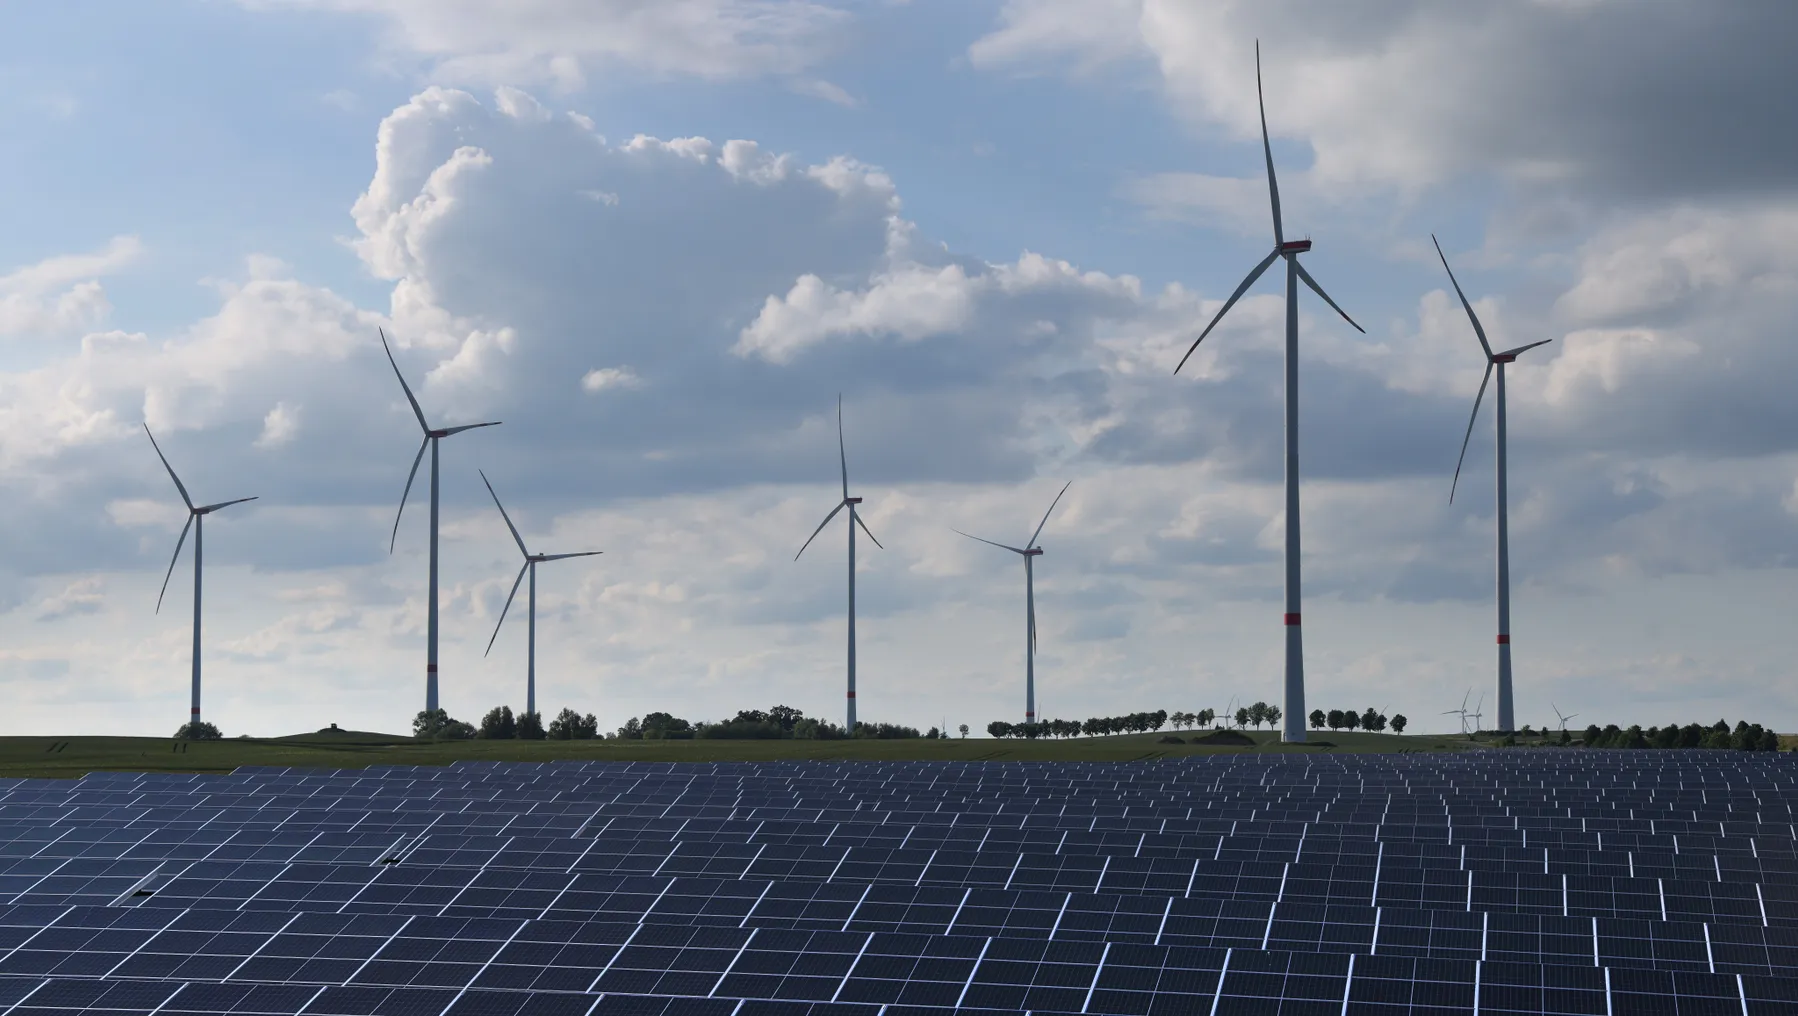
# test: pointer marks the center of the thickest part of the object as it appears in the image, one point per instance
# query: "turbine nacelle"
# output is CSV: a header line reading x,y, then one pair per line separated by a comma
x,y
1034,552
1294,247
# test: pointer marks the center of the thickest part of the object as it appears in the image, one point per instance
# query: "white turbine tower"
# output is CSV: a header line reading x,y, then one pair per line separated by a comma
x,y
1030,551
854,520
430,441
196,519
1498,360
530,564
1294,706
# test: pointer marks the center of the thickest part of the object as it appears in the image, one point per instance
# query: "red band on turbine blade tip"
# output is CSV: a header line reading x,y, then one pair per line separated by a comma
x,y
1292,619
1504,640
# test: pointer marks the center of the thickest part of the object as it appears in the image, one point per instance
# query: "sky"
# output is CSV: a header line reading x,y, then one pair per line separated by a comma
x,y
659,238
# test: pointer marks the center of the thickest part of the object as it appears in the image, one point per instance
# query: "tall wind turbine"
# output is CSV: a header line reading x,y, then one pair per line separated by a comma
x,y
195,518
1498,360
432,436
855,519
1030,551
1294,708
530,564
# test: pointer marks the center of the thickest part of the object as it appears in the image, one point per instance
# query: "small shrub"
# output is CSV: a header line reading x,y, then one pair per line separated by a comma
x,y
1171,739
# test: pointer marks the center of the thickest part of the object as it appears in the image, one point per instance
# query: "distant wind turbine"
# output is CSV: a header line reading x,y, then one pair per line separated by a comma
x,y
1030,551
854,520
530,564
1505,715
1563,719
1294,708
432,436
1461,712
195,518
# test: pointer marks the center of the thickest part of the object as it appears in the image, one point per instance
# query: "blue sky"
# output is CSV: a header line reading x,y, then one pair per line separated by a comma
x,y
994,227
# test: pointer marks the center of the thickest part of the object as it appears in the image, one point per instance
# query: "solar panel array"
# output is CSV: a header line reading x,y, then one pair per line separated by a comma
x,y
1538,882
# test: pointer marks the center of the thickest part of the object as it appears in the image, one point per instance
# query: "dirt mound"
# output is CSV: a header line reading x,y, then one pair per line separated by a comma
x,y
1225,737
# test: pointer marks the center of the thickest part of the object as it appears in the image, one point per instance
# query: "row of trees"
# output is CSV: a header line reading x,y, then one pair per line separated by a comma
x,y
501,725
1744,737
1348,719
778,723
1134,723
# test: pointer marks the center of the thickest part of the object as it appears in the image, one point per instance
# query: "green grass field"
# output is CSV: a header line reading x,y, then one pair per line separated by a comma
x,y
76,756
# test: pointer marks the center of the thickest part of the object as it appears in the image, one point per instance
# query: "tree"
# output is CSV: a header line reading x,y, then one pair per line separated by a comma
x,y
530,727
438,725
499,724
964,730
1274,715
1335,720
1242,716
572,726
666,726
999,728
1206,717
1592,734
198,730
1370,720
1317,719
1258,713
1350,719
1398,723
1157,719
786,716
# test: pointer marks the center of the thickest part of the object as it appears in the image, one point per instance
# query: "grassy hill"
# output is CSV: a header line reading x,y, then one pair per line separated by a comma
x,y
74,756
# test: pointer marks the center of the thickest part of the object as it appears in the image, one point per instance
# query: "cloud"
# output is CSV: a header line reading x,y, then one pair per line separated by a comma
x,y
601,378
1616,101
560,42
279,426
83,596
62,294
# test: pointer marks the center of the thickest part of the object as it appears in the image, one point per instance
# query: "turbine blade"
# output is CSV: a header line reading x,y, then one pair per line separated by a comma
x,y
467,426
1319,290
1519,349
1231,302
165,464
502,514
560,557
403,386
502,613
820,529
1471,316
1001,546
1273,186
403,494
172,560
842,451
858,521
1469,435
206,509
1045,521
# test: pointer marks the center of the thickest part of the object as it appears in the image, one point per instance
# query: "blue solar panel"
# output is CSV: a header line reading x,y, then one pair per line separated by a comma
x,y
1567,882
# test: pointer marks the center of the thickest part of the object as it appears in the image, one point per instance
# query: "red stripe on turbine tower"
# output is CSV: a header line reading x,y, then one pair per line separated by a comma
x,y
1504,640
1292,619
852,694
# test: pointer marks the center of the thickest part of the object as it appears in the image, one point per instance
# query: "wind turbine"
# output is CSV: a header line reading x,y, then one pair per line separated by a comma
x,y
1030,551
530,564
1563,719
196,519
432,436
1477,714
1505,714
1294,706
1461,712
855,519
